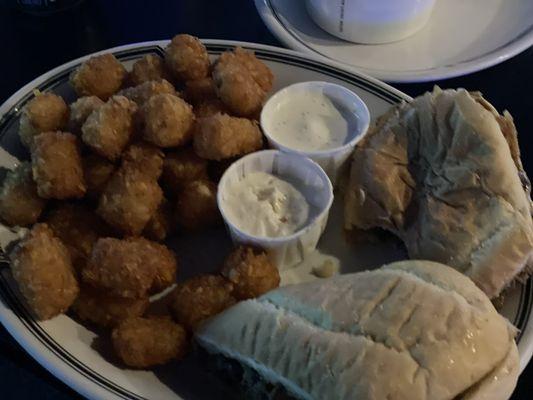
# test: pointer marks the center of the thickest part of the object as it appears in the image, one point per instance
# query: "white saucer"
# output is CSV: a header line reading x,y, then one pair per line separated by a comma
x,y
461,37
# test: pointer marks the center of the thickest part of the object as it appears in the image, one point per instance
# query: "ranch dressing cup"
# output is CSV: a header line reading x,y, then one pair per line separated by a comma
x,y
319,120
306,176
371,21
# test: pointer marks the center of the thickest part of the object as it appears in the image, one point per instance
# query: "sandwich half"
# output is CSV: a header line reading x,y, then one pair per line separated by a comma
x,y
413,330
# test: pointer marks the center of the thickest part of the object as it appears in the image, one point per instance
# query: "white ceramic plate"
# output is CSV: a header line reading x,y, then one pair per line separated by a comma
x,y
75,355
462,36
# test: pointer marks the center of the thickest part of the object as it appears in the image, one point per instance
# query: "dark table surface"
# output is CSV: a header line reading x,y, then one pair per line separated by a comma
x,y
32,45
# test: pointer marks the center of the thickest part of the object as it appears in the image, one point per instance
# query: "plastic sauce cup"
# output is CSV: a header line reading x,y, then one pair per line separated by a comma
x,y
331,160
312,182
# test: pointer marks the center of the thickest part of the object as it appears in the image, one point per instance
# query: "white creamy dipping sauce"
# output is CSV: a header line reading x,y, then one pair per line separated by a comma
x,y
262,204
310,121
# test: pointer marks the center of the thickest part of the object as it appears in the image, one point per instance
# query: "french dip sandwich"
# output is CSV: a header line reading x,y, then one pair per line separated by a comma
x,y
411,330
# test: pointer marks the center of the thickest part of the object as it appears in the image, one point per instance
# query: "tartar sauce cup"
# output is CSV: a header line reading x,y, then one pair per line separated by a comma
x,y
311,181
355,111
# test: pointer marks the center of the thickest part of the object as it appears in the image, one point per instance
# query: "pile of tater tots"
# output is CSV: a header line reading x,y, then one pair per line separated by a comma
x,y
134,159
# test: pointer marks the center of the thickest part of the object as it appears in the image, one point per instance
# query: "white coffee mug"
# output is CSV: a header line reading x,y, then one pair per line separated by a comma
x,y
371,21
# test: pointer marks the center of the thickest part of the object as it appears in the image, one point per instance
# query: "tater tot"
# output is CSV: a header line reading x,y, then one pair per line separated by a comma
x,y
160,258
99,76
147,342
161,223
168,120
108,129
97,170
78,228
201,297
105,310
42,269
141,93
80,111
181,167
149,68
119,267
199,90
221,136
186,58
45,112
251,272
145,157
197,205
241,90
19,202
56,166
129,200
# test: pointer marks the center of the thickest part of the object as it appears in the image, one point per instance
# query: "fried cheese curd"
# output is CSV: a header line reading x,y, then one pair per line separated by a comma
x,y
80,111
186,58
129,199
146,342
129,268
141,93
180,167
251,272
196,206
149,68
43,271
100,76
201,297
97,170
168,120
105,310
160,225
160,258
242,81
145,157
19,202
45,112
221,136
56,166
78,228
108,129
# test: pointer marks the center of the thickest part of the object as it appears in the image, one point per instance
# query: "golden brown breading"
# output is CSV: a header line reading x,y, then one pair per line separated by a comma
x,y
180,167
80,111
56,166
168,120
186,58
102,309
146,342
161,223
141,93
221,136
119,267
160,258
201,297
197,205
210,107
242,81
45,112
129,200
199,90
78,228
149,68
108,129
251,272
99,76
19,202
145,157
42,269
97,171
